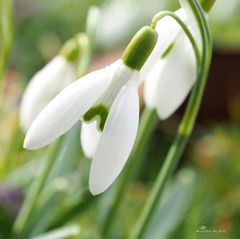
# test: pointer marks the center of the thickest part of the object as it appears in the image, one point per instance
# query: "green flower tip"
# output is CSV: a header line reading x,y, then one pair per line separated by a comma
x,y
139,48
207,4
100,111
70,49
73,47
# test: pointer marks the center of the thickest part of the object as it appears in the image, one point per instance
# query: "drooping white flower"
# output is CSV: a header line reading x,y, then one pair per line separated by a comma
x,y
43,87
48,82
171,70
107,101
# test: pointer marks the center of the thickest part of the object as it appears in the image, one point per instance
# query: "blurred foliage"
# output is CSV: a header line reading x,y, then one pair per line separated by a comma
x,y
216,204
225,23
43,26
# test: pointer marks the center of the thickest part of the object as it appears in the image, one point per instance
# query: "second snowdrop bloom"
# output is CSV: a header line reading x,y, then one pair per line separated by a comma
x,y
107,101
48,82
171,70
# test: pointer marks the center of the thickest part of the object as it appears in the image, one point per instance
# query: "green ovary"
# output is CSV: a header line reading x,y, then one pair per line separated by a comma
x,y
100,111
140,48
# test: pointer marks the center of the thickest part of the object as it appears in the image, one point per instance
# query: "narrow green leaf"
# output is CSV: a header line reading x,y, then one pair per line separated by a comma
x,y
171,211
61,233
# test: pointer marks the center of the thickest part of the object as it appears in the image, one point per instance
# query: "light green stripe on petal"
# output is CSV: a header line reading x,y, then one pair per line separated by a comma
x,y
168,50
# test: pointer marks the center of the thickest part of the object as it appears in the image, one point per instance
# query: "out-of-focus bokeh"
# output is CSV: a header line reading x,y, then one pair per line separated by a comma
x,y
203,197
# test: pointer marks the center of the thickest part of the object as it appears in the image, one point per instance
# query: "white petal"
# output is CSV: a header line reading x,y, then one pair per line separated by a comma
x,y
171,79
66,109
120,78
43,87
151,84
89,138
167,29
192,22
117,139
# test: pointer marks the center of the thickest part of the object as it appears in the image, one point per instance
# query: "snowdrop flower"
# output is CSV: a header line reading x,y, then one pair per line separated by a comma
x,y
106,100
171,70
48,82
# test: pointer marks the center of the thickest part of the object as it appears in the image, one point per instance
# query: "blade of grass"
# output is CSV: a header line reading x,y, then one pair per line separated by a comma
x,y
61,233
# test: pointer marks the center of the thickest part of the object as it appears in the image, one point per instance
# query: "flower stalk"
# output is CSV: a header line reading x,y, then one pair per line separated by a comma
x,y
87,41
207,4
6,37
185,127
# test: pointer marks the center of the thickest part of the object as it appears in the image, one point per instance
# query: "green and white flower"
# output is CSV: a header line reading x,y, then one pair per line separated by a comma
x,y
48,82
105,100
171,70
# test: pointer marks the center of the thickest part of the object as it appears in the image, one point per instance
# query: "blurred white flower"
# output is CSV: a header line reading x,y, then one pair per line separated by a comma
x,y
107,98
171,70
43,87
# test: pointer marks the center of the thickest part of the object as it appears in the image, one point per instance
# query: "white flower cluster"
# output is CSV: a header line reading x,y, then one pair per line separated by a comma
x,y
107,102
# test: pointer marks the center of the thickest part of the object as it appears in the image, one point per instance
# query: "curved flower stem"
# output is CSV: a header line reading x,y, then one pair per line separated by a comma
x,y
184,27
185,127
147,126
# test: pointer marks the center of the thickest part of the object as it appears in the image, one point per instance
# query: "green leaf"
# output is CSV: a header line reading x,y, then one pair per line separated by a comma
x,y
48,207
62,233
24,174
173,207
70,155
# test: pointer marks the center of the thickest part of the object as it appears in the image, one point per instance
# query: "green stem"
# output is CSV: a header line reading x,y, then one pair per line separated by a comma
x,y
163,14
29,204
149,120
207,4
92,19
6,37
185,127
87,44
15,143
